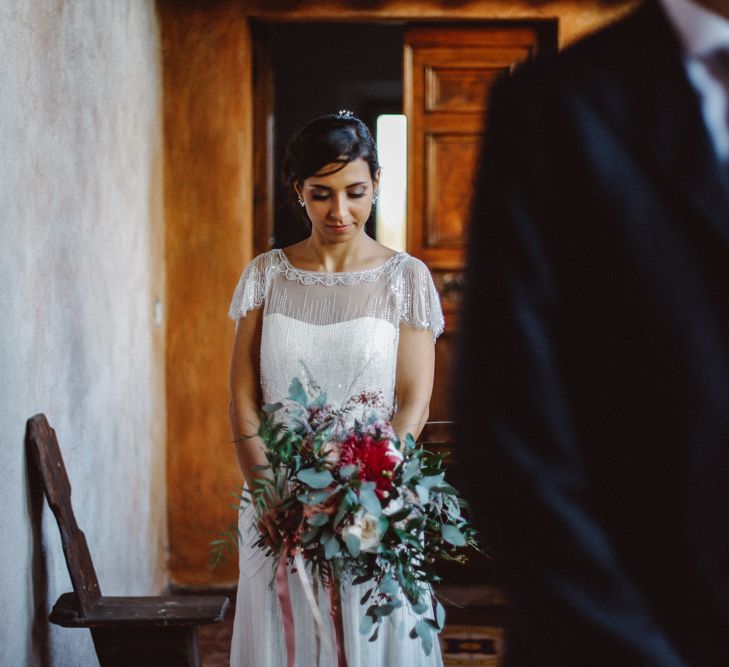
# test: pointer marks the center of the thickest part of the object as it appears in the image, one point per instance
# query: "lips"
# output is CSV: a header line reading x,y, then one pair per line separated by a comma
x,y
339,229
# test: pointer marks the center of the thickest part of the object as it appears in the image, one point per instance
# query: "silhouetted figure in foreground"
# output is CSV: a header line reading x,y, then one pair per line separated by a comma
x,y
593,382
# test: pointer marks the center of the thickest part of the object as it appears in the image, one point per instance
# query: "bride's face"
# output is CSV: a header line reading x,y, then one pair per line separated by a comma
x,y
339,203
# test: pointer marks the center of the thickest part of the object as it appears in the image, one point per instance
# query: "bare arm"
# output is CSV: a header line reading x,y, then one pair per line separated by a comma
x,y
414,379
245,401
245,394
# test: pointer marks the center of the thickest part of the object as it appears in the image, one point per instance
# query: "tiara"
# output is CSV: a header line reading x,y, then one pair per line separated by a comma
x,y
345,114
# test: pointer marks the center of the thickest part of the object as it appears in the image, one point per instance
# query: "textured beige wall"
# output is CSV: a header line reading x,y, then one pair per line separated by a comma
x,y
81,266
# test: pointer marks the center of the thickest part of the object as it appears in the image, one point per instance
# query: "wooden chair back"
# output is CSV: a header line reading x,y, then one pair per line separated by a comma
x,y
46,455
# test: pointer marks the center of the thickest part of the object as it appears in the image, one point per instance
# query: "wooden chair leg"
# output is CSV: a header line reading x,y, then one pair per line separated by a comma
x,y
171,646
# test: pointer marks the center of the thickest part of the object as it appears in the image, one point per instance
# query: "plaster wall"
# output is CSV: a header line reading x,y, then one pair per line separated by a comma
x,y
81,269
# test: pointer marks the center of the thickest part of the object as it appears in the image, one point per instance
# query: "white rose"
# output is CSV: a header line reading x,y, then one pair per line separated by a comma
x,y
366,527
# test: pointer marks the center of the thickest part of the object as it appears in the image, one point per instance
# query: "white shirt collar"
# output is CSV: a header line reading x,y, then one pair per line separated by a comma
x,y
700,30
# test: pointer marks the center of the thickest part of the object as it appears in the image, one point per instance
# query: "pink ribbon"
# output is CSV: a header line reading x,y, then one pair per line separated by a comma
x,y
287,610
335,610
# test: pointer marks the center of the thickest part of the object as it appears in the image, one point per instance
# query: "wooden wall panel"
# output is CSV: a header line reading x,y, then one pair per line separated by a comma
x,y
208,200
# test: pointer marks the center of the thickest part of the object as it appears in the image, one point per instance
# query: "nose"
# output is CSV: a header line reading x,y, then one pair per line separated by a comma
x,y
338,207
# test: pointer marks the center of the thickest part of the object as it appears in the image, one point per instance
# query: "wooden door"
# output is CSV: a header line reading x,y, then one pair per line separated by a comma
x,y
448,71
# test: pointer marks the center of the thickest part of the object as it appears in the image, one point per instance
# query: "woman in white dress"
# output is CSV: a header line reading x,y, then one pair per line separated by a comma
x,y
353,316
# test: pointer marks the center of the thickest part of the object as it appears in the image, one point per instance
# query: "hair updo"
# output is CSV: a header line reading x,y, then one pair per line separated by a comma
x,y
337,138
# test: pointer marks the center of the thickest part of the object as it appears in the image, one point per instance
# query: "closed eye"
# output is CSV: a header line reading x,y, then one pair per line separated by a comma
x,y
324,197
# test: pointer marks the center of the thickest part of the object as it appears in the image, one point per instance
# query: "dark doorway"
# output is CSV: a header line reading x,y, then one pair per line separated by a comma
x,y
320,68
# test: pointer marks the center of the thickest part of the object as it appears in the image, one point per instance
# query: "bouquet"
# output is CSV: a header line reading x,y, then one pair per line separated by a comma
x,y
355,502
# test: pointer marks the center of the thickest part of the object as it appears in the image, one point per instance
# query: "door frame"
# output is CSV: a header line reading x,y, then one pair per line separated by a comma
x,y
263,116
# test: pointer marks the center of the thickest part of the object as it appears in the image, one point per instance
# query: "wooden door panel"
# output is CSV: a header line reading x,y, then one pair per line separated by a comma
x,y
446,93
457,89
448,72
450,162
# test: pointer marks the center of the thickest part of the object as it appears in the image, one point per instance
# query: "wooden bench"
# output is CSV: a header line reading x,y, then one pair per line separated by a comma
x,y
155,631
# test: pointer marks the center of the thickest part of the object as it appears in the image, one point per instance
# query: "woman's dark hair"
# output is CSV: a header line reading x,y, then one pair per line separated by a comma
x,y
337,138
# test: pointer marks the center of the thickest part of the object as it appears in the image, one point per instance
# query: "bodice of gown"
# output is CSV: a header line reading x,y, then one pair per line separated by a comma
x,y
338,330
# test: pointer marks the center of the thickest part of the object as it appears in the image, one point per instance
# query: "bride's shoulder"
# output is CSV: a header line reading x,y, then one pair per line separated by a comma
x,y
265,260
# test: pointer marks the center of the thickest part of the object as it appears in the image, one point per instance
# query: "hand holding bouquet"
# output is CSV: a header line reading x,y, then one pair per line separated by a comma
x,y
354,501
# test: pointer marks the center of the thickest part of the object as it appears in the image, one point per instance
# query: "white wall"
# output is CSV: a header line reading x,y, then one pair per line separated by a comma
x,y
81,266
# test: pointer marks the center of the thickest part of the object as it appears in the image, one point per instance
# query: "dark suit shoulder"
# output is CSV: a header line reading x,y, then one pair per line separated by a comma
x,y
628,52
620,73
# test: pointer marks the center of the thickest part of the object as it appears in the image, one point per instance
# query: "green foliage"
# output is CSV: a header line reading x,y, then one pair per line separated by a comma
x,y
325,509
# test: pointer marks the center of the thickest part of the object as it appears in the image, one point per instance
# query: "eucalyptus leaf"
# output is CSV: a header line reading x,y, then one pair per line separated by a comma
x,y
347,471
309,536
432,480
399,515
373,638
445,488
425,634
410,469
452,535
318,519
316,479
365,625
297,393
313,498
440,615
365,597
368,499
354,546
420,608
423,493
384,610
331,548
389,586
270,408
341,512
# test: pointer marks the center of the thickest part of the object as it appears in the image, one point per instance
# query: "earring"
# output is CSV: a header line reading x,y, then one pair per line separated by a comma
x,y
374,197
301,201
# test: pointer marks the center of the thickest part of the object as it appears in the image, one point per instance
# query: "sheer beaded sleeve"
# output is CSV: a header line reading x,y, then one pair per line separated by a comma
x,y
419,303
251,289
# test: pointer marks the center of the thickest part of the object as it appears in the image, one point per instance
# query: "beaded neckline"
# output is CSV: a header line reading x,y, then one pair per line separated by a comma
x,y
306,277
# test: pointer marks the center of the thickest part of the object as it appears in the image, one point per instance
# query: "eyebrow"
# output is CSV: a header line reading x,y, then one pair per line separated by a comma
x,y
346,187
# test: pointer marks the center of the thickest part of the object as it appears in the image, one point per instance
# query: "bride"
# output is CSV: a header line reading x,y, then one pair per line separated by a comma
x,y
353,316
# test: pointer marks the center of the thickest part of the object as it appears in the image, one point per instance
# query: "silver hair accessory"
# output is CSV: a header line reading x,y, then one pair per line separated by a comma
x,y
345,114
301,201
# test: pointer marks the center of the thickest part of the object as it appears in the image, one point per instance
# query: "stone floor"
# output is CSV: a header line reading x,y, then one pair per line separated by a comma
x,y
472,637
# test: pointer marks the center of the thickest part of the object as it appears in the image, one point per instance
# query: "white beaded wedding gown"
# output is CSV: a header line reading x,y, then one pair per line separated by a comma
x,y
342,331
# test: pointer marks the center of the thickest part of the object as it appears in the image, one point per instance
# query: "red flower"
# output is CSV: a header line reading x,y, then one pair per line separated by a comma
x,y
375,460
